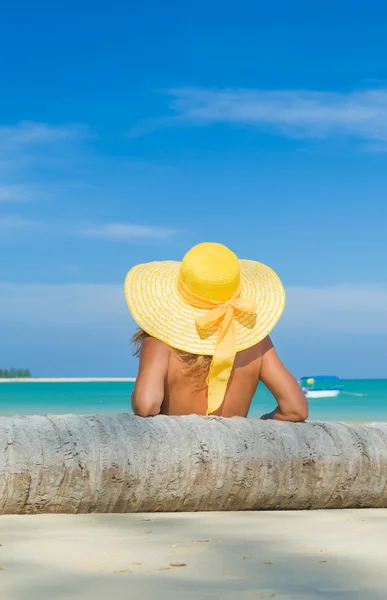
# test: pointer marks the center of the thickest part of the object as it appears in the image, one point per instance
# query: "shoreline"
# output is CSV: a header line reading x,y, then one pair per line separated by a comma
x,y
66,379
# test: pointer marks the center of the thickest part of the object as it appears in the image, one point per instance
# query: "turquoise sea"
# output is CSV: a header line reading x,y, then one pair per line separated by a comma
x,y
361,400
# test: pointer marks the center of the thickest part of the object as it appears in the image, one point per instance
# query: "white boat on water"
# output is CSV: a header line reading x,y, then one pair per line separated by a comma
x,y
313,387
322,393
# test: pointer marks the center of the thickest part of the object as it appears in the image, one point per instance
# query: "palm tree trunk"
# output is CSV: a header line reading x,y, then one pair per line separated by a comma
x,y
80,464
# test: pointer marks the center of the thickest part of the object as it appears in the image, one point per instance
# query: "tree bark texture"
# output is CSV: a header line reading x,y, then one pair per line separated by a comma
x,y
98,463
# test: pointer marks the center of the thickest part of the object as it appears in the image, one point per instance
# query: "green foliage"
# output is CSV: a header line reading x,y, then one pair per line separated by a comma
x,y
14,373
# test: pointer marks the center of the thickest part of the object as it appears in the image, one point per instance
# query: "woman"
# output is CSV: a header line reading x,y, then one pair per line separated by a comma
x,y
204,340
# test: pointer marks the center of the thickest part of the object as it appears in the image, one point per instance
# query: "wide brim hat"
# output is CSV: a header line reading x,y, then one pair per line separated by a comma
x,y
153,294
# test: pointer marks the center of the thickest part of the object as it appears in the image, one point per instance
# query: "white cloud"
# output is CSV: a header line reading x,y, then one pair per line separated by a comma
x,y
16,192
120,232
336,310
293,113
29,133
33,156
36,153
11,222
125,232
62,305
31,150
351,308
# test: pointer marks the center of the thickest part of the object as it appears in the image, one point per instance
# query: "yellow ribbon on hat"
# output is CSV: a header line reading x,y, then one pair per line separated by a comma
x,y
221,314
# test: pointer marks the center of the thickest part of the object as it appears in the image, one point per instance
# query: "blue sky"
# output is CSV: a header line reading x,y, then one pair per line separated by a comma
x,y
131,131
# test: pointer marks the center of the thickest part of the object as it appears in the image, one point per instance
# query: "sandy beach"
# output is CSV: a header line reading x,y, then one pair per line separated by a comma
x,y
255,555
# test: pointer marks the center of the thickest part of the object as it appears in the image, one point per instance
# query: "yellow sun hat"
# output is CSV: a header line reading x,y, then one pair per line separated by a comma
x,y
211,303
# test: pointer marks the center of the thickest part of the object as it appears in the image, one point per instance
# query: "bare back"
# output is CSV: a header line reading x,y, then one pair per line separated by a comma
x,y
166,385
186,391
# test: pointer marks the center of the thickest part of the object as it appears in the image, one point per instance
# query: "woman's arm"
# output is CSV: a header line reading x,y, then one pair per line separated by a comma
x,y
292,404
148,393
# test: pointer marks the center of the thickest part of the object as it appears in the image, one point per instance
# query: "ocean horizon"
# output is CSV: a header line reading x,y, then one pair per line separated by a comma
x,y
361,400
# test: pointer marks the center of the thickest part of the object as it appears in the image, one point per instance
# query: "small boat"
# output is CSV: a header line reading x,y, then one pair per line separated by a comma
x,y
313,387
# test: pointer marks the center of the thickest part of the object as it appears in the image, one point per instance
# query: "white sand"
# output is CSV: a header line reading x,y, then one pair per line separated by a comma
x,y
227,556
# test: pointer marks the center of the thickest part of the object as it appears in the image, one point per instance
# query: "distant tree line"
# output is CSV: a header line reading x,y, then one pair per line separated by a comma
x,y
14,373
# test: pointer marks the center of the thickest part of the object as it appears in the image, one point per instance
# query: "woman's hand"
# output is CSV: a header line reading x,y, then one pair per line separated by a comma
x,y
292,403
